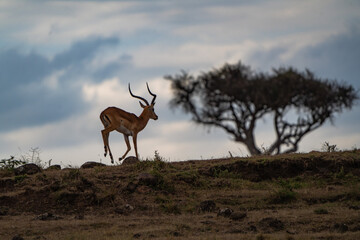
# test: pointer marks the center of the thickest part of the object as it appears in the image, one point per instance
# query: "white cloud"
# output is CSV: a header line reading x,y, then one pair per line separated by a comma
x,y
190,55
106,92
51,26
52,81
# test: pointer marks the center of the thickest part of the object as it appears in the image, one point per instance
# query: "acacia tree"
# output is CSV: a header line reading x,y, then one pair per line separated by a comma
x,y
234,98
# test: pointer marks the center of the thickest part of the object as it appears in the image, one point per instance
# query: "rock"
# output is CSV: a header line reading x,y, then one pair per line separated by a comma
x,y
176,234
3,210
148,179
207,206
29,169
119,210
68,197
271,224
17,237
130,160
47,216
79,216
354,207
225,212
54,167
235,230
341,227
237,216
291,231
7,183
40,238
131,187
252,228
126,209
137,235
92,165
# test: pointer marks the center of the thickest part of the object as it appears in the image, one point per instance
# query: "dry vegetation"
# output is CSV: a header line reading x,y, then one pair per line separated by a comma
x,y
294,196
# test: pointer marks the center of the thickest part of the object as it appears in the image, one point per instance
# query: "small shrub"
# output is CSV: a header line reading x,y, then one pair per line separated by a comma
x,y
70,178
162,200
66,197
160,182
284,194
223,173
321,211
191,206
165,186
265,150
290,184
158,163
190,177
157,156
327,147
170,208
11,163
341,174
260,237
227,174
73,174
105,196
20,178
42,177
182,227
167,205
207,206
33,156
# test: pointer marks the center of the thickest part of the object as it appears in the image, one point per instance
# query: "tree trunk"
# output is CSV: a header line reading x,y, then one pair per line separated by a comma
x,y
250,144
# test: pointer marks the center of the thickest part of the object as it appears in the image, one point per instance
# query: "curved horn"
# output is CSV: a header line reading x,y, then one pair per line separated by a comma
x,y
154,95
146,102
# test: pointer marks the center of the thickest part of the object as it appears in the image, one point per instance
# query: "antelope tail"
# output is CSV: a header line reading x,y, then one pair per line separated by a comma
x,y
105,119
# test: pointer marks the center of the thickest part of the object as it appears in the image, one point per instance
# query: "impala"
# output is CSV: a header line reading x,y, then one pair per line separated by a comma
x,y
128,124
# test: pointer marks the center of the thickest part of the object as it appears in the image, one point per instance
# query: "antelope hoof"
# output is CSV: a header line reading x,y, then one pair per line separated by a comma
x,y
112,161
120,158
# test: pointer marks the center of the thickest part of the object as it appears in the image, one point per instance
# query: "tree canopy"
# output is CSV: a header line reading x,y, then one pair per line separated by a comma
x,y
234,97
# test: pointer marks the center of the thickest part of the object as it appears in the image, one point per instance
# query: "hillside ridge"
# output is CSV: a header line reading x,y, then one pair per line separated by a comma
x,y
257,192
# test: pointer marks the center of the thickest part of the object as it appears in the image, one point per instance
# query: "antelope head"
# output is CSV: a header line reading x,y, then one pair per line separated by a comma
x,y
148,108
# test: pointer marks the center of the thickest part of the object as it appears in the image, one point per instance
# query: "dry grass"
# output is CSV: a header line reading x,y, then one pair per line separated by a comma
x,y
322,201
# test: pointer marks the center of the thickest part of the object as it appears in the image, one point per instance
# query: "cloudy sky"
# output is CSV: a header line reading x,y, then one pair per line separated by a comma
x,y
63,62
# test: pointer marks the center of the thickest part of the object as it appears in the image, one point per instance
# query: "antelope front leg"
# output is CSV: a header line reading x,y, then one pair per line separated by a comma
x,y
128,146
135,145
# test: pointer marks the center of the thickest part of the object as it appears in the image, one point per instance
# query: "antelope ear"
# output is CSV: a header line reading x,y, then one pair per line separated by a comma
x,y
142,105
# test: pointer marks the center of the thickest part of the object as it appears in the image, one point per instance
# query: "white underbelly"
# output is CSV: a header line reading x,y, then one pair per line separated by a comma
x,y
124,130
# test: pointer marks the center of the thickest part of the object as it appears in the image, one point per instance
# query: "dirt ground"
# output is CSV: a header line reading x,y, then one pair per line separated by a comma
x,y
298,224
295,196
